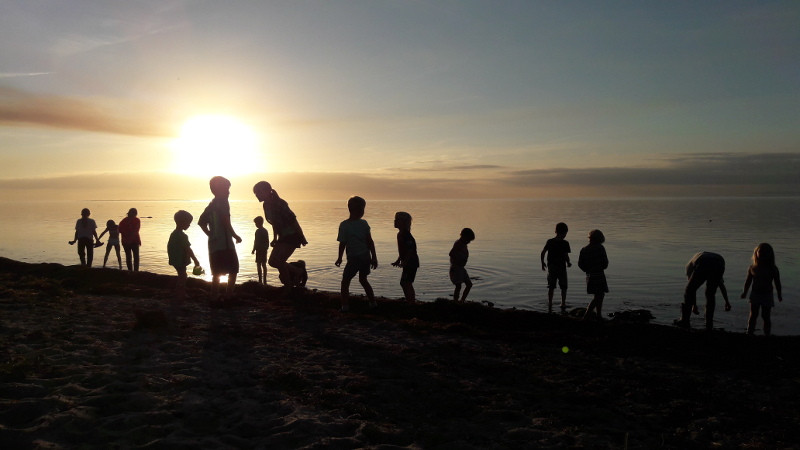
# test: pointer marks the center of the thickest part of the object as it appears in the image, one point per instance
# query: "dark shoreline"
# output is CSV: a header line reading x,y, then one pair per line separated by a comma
x,y
433,375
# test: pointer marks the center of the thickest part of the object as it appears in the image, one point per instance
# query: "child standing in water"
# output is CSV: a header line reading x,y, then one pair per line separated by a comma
x,y
260,247
355,237
762,274
216,224
408,259
593,260
557,250
113,241
85,236
459,255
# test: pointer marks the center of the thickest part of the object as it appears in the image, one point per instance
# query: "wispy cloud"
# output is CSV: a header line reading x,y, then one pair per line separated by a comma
x,y
20,108
21,74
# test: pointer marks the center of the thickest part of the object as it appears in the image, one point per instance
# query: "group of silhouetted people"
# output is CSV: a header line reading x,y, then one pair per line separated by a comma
x,y
126,233
355,241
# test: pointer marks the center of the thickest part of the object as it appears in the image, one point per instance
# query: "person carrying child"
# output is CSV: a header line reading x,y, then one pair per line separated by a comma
x,y
260,248
355,237
86,236
408,258
180,255
557,250
113,241
459,255
593,260
216,224
762,274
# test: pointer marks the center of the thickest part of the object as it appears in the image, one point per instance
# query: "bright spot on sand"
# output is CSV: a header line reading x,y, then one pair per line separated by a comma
x,y
565,349
216,145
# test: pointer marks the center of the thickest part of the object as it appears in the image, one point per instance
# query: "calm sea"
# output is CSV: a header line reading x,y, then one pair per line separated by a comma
x,y
648,242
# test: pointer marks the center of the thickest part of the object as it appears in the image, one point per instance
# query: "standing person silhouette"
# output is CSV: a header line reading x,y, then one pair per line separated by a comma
x,y
85,236
129,229
216,224
287,236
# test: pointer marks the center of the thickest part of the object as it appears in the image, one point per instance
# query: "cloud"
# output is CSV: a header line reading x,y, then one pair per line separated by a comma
x,y
739,174
20,108
17,75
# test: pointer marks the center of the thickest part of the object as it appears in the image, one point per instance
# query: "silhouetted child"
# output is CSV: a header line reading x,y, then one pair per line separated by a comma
x,y
459,255
355,237
113,241
704,268
407,259
762,274
593,261
131,241
216,224
260,247
557,250
180,255
85,236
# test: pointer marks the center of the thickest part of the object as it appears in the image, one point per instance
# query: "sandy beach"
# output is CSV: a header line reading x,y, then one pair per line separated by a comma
x,y
87,360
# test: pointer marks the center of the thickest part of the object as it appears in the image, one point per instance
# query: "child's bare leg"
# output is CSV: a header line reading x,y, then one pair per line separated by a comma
x,y
215,286
105,259
231,283
457,292
765,314
367,288
345,295
260,276
753,319
180,291
467,288
119,259
408,291
563,299
550,298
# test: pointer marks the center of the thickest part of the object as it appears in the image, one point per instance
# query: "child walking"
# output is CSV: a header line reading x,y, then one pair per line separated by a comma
x,y
762,274
216,224
407,259
459,255
593,261
113,241
355,237
260,247
85,236
557,250
180,255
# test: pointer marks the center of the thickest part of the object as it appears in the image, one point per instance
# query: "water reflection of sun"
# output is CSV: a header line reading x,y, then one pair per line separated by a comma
x,y
216,145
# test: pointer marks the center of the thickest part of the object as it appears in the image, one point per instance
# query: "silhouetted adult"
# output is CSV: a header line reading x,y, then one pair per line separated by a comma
x,y
287,236
129,231
708,268
85,236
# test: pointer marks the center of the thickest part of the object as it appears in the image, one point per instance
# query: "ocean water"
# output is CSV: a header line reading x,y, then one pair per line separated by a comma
x,y
648,242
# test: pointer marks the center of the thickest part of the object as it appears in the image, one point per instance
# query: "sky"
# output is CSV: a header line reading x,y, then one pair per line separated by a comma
x,y
399,99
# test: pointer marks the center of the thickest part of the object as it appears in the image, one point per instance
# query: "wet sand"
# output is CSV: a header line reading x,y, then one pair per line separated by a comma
x,y
88,361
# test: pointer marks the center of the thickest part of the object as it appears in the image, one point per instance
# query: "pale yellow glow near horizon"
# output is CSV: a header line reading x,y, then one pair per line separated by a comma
x,y
216,145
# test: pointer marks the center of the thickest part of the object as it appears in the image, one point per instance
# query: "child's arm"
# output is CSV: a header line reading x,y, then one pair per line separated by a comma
x,y
398,263
74,238
747,282
191,255
544,251
342,246
724,292
778,285
229,227
103,233
371,245
94,233
566,258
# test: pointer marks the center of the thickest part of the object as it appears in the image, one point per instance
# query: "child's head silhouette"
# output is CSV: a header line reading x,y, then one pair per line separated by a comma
x,y
596,237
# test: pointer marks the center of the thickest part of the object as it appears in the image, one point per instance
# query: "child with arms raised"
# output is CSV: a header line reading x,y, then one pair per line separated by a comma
x,y
355,237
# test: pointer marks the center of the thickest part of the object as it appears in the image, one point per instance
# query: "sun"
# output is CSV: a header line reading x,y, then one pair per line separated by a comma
x,y
216,145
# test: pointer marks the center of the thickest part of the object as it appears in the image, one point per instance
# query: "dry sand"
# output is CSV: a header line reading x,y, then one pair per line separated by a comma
x,y
78,369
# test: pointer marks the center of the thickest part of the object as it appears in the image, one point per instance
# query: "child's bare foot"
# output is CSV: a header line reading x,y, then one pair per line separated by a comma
x,y
695,310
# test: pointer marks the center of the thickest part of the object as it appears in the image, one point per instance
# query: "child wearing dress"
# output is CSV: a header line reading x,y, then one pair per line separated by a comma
x,y
593,260
762,275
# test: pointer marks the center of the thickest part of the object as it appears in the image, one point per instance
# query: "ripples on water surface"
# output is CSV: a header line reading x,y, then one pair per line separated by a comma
x,y
648,244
